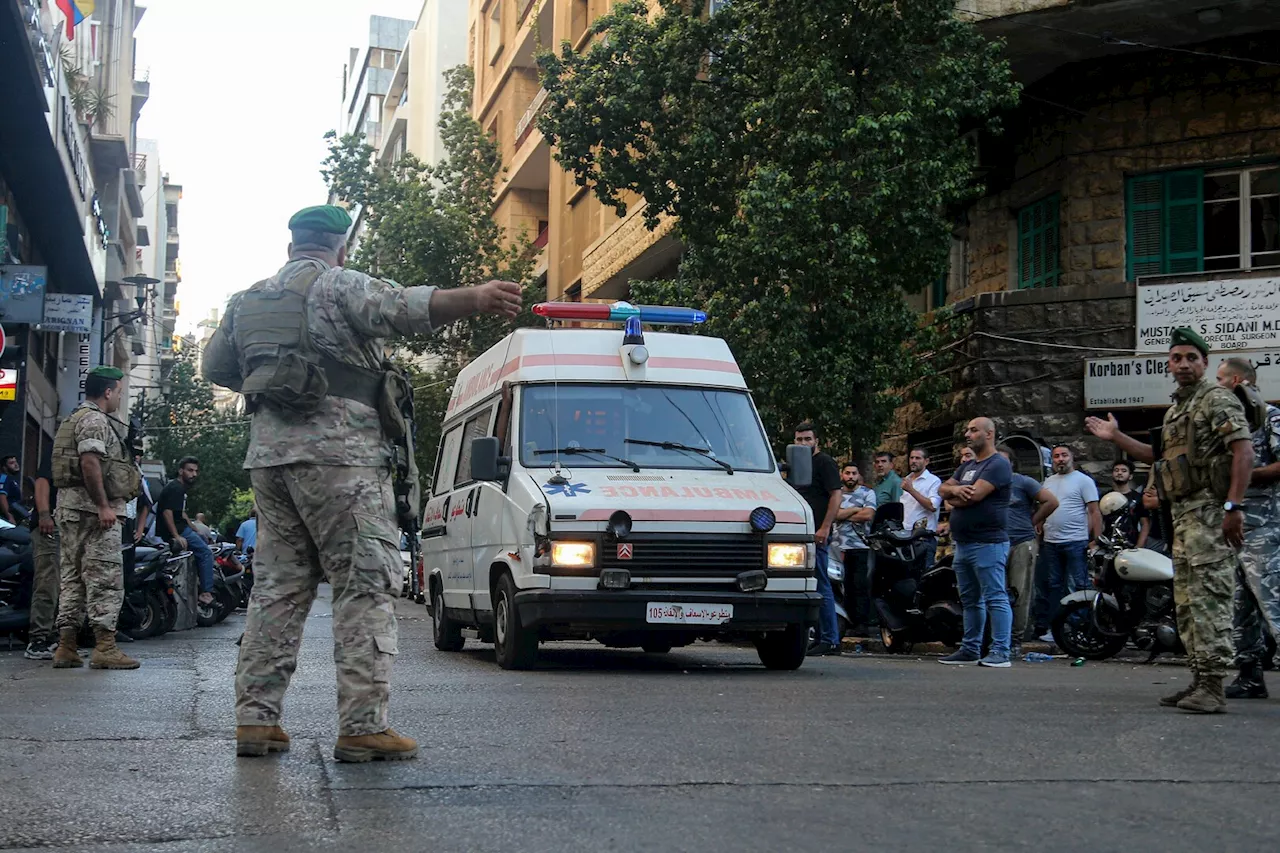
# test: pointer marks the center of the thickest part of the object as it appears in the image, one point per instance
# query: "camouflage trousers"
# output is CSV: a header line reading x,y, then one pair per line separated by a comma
x,y
92,571
315,523
44,589
1257,598
1204,574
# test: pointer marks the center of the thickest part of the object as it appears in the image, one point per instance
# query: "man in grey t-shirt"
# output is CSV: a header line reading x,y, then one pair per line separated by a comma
x,y
1067,534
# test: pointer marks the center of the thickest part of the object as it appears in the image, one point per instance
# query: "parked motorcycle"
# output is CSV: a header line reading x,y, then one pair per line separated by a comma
x,y
1132,601
17,574
228,577
150,607
914,606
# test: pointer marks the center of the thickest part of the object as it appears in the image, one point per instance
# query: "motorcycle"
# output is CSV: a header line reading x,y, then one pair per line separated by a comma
x,y
150,606
1131,601
17,575
914,606
228,575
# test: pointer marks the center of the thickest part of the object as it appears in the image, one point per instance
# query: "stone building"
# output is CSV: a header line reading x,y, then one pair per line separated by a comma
x,y
1147,144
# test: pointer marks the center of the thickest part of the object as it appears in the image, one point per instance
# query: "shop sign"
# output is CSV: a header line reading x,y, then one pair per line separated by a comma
x,y
1231,313
8,384
68,312
1144,381
22,293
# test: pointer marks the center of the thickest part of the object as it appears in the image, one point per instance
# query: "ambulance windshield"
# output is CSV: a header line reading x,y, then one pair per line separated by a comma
x,y
653,426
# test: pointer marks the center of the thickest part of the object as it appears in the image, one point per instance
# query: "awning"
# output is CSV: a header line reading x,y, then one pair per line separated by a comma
x,y
31,165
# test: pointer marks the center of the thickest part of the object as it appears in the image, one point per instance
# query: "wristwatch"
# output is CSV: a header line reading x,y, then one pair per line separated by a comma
x,y
1232,507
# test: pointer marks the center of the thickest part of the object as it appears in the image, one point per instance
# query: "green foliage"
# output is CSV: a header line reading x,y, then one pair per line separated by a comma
x,y
185,422
809,152
237,510
433,224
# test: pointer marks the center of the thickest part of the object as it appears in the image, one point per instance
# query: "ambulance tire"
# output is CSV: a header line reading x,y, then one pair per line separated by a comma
x,y
656,646
516,647
446,633
784,649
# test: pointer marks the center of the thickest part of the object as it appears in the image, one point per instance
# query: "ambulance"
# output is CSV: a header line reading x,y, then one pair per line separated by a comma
x,y
615,484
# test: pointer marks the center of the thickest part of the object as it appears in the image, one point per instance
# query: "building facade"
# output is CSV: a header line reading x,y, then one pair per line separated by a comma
x,y
1144,158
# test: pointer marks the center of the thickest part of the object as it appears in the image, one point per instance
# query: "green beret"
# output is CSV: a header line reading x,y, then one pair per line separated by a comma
x,y
1185,336
325,218
107,372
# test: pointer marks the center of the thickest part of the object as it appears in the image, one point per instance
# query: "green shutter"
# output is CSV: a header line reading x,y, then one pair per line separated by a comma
x,y
1165,223
1038,250
939,291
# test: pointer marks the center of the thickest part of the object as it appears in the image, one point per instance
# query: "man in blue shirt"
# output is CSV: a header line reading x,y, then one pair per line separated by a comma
x,y
979,493
247,534
11,490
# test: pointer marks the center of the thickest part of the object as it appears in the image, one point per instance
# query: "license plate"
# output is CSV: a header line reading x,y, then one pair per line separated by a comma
x,y
664,613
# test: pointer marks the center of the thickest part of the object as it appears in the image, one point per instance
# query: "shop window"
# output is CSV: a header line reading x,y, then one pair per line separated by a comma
x,y
1038,250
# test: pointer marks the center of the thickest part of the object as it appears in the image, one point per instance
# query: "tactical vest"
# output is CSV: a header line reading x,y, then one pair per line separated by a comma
x,y
121,479
1181,471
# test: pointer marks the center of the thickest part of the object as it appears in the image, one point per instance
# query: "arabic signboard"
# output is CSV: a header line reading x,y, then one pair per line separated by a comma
x,y
1144,381
8,385
22,293
68,312
1231,314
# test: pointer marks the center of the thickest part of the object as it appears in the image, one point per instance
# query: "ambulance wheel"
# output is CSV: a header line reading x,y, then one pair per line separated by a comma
x,y
784,649
515,645
657,646
444,631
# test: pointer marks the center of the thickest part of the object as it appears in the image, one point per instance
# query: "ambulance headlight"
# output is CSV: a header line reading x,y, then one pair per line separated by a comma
x,y
787,555
573,555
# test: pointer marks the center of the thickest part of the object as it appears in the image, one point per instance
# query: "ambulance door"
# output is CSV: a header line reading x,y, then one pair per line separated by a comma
x,y
463,506
446,533
492,534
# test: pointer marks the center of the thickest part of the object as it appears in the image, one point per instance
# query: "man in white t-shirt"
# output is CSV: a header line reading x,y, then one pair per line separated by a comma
x,y
920,498
1067,534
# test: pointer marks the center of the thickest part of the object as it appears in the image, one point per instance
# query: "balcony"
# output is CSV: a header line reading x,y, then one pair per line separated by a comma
x,y
140,167
529,121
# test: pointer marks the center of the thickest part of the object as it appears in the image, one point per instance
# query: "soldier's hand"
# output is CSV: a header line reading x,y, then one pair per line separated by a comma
x,y
1233,528
498,297
106,517
1105,430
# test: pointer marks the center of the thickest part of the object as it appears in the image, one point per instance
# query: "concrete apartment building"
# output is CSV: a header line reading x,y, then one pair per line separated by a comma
x,y
1142,170
410,122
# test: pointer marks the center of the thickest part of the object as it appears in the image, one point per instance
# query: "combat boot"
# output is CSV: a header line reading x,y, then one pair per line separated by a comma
x,y
1208,697
66,656
107,655
259,740
1248,684
1172,700
384,746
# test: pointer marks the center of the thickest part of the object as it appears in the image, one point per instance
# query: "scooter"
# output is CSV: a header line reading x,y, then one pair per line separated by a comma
x,y
1132,601
17,576
227,578
150,606
914,606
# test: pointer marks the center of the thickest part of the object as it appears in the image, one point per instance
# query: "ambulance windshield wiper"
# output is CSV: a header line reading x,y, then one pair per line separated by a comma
x,y
570,451
704,452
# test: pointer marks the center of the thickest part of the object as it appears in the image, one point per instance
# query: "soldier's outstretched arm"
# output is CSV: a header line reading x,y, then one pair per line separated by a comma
x,y
1109,430
378,310
502,298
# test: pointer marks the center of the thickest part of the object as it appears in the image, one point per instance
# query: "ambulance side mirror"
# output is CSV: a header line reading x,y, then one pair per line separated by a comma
x,y
799,466
486,465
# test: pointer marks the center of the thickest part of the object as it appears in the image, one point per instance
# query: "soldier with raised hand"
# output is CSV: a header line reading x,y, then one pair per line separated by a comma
x,y
95,476
1204,468
1257,598
306,348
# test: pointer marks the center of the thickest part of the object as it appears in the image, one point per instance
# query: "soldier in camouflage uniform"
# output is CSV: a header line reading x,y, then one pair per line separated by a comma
x,y
1205,464
1257,598
87,445
321,467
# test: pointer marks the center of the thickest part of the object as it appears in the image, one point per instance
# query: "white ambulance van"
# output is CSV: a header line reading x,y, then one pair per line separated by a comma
x,y
616,485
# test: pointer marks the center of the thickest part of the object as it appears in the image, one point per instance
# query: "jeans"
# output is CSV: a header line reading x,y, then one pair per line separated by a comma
x,y
980,575
857,588
1063,568
827,631
204,557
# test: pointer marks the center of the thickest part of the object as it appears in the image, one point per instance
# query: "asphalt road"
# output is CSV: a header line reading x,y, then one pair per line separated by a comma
x,y
603,750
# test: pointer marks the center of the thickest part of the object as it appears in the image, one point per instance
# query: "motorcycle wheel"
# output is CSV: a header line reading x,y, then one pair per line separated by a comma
x,y
895,642
168,610
207,614
1075,634
227,601
149,623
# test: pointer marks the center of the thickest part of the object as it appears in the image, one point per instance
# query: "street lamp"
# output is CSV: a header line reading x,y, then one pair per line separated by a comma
x,y
126,317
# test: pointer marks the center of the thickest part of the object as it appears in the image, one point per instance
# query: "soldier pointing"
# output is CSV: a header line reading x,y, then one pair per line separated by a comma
x,y
1204,468
305,347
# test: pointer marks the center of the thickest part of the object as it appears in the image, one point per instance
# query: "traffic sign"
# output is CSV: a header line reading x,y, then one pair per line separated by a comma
x,y
3,341
8,384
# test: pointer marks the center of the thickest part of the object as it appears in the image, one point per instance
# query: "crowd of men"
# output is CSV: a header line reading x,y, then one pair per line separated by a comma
x,y
1021,545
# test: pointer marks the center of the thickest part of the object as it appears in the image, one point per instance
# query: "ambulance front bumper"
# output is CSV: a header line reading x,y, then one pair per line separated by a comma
x,y
629,609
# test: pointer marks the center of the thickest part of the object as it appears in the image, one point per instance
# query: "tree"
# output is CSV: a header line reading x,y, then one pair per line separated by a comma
x,y
809,152
184,422
433,224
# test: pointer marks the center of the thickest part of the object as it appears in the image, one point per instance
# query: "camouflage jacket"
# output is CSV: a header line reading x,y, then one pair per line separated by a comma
x,y
350,316
1260,502
94,433
1218,420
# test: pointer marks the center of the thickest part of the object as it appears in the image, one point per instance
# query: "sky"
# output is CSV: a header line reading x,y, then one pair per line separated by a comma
x,y
242,92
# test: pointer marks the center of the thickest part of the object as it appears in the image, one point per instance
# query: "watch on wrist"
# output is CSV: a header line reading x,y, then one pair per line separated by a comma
x,y
1229,506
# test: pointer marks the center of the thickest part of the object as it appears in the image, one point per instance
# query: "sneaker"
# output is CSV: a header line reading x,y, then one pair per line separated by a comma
x,y
960,656
1015,650
997,661
1047,638
818,650
38,650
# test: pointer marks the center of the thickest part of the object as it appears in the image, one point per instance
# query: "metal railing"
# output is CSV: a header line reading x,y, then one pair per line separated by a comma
x,y
527,121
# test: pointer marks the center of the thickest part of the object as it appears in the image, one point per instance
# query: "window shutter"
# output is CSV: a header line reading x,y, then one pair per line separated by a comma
x,y
1038,244
1184,221
1144,208
939,291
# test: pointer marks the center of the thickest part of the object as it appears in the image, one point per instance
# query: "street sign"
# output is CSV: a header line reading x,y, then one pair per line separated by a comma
x,y
22,293
8,384
1128,382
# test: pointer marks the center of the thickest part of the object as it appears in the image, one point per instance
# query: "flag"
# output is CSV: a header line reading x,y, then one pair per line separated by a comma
x,y
75,11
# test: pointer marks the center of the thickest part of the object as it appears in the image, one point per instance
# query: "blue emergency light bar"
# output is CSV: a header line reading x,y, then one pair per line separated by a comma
x,y
620,312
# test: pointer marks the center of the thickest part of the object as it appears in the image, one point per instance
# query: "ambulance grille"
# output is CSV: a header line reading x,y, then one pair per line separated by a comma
x,y
689,555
